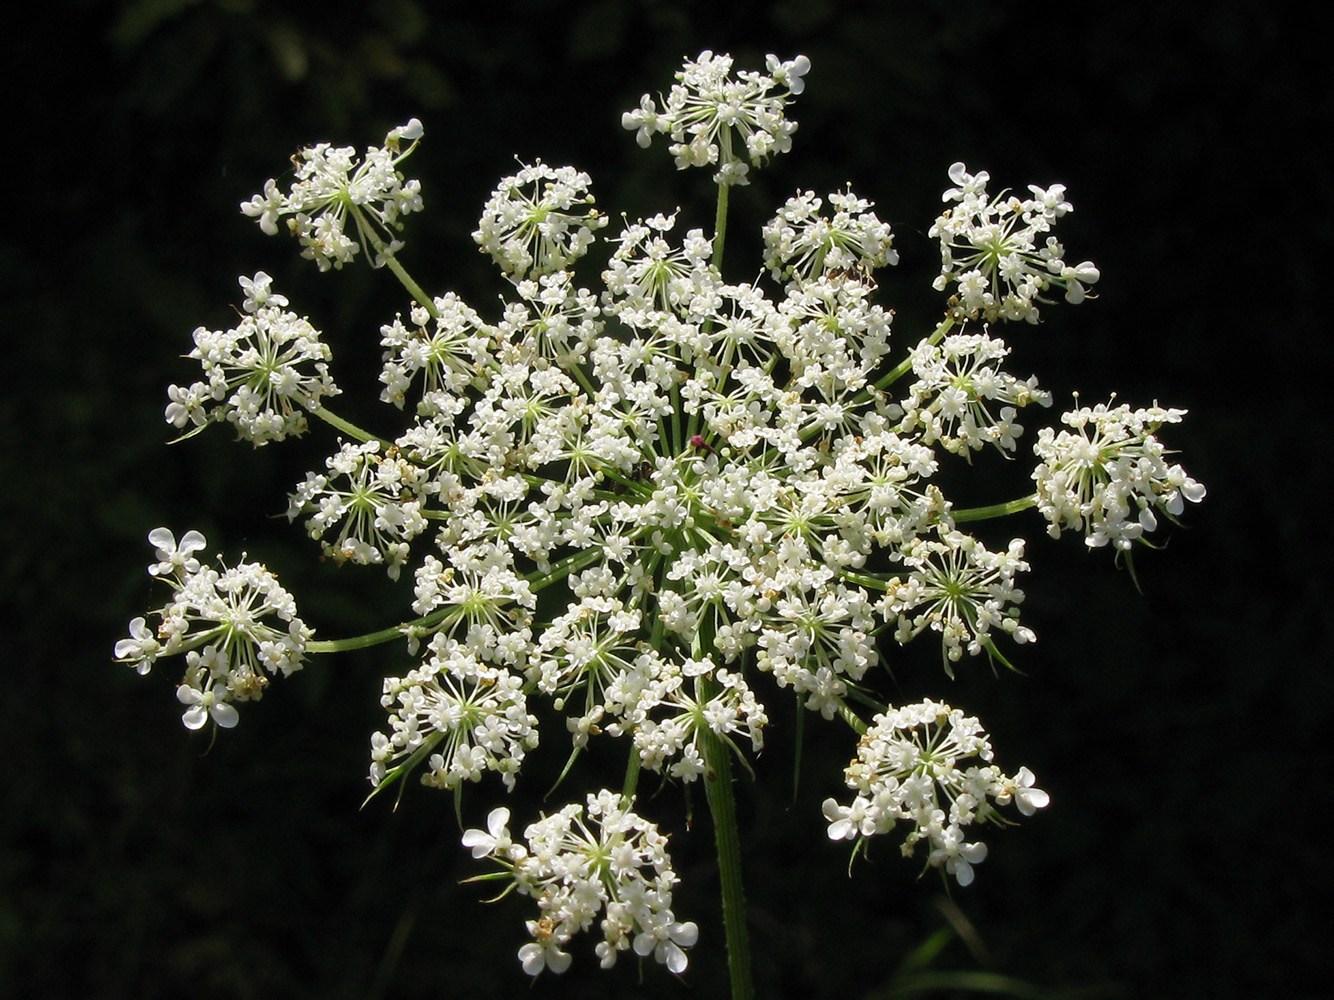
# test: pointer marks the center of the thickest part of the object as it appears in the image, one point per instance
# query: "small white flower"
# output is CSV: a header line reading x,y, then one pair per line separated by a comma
x,y
141,648
259,292
1027,798
173,559
957,857
495,839
203,706
412,131
666,942
538,956
789,73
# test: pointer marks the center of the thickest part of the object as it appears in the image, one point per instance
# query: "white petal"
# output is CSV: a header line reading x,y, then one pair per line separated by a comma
x,y
676,958
963,872
534,961
685,934
163,539
558,961
224,715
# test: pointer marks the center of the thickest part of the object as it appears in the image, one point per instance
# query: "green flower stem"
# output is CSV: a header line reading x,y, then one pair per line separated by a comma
x,y
719,241
720,223
562,569
631,774
347,427
375,638
864,580
854,720
722,806
414,289
580,375
905,366
996,509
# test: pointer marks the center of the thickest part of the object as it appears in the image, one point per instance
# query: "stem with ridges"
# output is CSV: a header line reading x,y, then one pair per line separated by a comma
x,y
722,806
346,426
995,510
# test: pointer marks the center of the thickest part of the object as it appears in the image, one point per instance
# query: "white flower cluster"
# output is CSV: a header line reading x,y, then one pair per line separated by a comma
x,y
959,382
1108,476
961,590
222,621
990,250
553,318
650,274
331,185
539,220
443,345
656,503
909,770
374,501
709,110
586,861
800,243
262,376
742,530
476,710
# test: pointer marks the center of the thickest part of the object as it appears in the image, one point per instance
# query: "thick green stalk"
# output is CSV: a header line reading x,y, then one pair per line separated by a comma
x,y
720,227
722,806
995,510
717,754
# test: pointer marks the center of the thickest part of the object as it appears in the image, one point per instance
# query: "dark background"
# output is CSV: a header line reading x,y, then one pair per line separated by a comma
x,y
1183,732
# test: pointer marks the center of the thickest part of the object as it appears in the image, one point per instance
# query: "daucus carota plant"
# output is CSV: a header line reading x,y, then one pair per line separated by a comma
x,y
662,505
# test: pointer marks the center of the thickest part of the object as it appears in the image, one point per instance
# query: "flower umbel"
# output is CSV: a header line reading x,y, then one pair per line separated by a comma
x,y
1108,476
222,619
709,113
262,376
474,715
332,186
652,510
998,253
539,220
909,770
801,243
599,858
